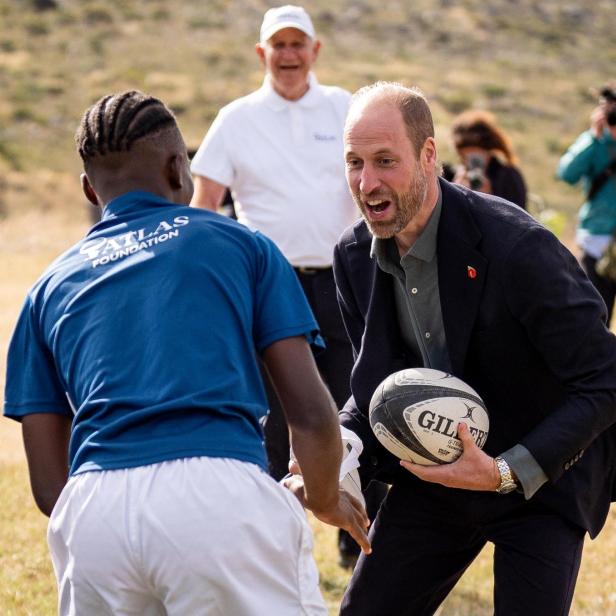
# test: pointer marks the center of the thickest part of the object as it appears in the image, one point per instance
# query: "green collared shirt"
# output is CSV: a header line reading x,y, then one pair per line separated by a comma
x,y
418,303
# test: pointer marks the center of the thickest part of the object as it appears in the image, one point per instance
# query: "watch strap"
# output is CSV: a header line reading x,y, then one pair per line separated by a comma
x,y
508,483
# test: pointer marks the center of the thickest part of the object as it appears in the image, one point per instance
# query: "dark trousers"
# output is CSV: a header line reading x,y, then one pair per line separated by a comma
x,y
423,540
336,361
606,287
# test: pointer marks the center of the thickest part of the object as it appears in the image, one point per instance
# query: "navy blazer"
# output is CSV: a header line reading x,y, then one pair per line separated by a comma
x,y
524,327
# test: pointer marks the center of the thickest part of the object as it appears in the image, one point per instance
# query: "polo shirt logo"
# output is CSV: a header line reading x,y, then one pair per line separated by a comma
x,y
106,249
322,137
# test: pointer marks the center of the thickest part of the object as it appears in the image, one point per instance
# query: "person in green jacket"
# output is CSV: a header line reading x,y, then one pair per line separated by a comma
x,y
592,159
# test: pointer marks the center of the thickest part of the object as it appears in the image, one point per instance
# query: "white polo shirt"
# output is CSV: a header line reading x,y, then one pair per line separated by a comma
x,y
284,163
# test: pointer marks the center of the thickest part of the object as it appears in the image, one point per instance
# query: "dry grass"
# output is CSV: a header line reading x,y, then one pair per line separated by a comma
x,y
530,63
27,586
26,579
31,240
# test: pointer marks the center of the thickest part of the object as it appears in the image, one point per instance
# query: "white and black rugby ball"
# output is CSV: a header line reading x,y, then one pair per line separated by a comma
x,y
415,413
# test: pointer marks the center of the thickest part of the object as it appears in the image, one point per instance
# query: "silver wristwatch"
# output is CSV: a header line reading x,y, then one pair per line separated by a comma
x,y
507,483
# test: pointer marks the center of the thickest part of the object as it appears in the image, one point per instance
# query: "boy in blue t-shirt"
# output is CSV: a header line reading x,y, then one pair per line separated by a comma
x,y
133,371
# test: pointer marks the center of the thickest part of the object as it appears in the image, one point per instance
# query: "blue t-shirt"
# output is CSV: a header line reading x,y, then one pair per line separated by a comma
x,y
146,332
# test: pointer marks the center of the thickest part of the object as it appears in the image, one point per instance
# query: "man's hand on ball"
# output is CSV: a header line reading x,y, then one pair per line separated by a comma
x,y
473,470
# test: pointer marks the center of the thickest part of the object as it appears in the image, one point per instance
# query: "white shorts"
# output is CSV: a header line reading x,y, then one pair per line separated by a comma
x,y
189,537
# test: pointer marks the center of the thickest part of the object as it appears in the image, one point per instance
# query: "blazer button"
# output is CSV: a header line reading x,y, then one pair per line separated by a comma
x,y
374,460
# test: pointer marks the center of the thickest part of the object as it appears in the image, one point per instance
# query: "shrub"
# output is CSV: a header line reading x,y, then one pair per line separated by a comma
x,y
97,14
36,26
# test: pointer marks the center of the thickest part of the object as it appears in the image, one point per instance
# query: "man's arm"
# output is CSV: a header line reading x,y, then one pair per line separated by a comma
x,y
208,193
567,328
46,438
315,436
564,317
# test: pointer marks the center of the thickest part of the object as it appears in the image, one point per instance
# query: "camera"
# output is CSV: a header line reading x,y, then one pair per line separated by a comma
x,y
610,116
475,166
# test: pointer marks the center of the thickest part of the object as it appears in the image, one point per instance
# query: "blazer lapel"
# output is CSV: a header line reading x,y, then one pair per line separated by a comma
x,y
462,272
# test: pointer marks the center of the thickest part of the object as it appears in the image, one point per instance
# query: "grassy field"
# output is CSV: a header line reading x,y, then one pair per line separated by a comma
x,y
529,62
26,581
27,584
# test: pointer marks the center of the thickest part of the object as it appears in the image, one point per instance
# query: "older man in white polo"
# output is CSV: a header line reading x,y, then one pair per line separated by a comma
x,y
280,151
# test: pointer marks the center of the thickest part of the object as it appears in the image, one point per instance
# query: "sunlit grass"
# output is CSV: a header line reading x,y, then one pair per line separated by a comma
x,y
31,240
27,585
494,55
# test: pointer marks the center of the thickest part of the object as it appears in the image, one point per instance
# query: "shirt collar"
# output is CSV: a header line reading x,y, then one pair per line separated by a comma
x,y
277,103
132,201
424,247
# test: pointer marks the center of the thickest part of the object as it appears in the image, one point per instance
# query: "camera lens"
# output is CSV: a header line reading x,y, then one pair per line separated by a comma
x,y
475,182
610,116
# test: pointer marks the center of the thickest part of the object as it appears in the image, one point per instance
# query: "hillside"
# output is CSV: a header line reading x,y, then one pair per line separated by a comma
x,y
529,62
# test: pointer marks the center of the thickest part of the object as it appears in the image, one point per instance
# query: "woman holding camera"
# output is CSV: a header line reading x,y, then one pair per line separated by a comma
x,y
489,164
592,159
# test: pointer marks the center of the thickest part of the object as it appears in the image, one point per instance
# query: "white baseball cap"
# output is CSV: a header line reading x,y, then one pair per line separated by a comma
x,y
288,16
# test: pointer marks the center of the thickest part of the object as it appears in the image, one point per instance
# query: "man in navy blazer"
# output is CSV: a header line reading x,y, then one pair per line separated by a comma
x,y
439,276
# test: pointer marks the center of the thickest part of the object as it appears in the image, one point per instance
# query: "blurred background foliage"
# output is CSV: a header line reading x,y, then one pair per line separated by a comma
x,y
530,63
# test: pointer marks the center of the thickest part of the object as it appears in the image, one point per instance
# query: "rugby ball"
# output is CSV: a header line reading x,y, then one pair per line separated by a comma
x,y
415,413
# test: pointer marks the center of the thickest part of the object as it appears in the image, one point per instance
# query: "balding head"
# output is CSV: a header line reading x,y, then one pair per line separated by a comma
x,y
130,141
410,102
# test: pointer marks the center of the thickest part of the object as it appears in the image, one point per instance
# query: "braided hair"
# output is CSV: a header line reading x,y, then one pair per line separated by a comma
x,y
117,121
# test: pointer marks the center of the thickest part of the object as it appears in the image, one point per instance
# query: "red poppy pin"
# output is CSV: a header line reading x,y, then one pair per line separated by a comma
x,y
471,272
